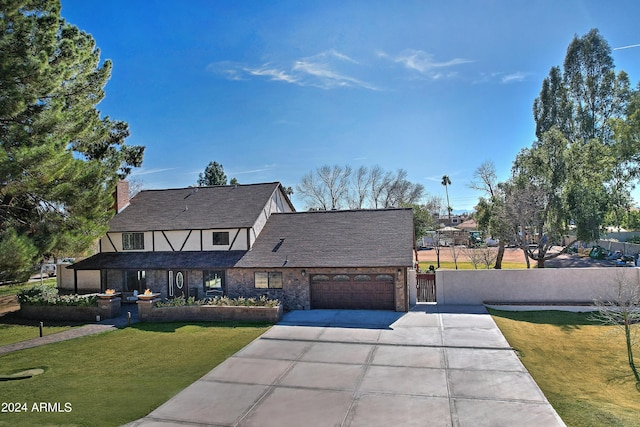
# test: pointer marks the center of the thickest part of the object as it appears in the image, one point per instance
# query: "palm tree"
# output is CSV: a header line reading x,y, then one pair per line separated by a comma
x,y
446,181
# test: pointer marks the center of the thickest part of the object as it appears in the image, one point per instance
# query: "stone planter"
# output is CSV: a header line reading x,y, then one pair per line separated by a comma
x,y
147,312
61,313
106,308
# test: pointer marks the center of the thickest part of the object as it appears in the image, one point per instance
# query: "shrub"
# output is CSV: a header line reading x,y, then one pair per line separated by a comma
x,y
180,302
46,295
263,301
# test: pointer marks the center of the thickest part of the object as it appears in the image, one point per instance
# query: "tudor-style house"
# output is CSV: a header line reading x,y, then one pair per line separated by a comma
x,y
247,240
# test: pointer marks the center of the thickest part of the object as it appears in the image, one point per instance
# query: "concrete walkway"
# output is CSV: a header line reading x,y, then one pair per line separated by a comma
x,y
80,331
436,366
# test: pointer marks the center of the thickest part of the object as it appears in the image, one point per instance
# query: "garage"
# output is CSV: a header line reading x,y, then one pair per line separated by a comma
x,y
353,291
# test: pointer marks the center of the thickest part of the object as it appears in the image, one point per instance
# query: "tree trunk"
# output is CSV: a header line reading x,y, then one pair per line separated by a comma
x,y
540,262
627,331
526,258
500,255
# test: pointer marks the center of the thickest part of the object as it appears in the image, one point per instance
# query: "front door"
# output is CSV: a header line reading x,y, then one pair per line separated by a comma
x,y
177,284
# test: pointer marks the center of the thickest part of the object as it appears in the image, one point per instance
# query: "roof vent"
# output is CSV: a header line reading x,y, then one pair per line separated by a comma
x,y
277,246
192,193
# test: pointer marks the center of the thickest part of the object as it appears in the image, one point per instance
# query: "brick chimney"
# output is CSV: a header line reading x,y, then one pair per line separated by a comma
x,y
121,196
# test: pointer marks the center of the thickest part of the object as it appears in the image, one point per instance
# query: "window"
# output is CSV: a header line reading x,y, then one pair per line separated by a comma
x,y
213,282
268,280
132,241
221,238
362,278
341,278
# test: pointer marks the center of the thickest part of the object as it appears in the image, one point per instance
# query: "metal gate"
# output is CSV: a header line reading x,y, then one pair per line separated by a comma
x,y
426,285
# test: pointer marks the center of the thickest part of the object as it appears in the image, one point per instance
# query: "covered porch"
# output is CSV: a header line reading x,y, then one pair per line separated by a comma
x,y
169,274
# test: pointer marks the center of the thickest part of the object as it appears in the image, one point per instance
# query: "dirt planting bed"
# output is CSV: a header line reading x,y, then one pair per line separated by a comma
x,y
515,255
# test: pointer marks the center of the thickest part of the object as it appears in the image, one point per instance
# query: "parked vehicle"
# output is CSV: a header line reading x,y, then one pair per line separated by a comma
x,y
49,269
475,239
598,252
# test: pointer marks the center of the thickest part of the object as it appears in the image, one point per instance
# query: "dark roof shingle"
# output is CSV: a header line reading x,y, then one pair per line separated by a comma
x,y
195,208
159,260
358,238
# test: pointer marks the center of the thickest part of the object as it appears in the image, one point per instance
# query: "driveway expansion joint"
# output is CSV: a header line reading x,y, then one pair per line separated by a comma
x,y
388,344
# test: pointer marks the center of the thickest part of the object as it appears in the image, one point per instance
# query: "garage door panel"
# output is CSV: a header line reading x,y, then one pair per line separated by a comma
x,y
353,294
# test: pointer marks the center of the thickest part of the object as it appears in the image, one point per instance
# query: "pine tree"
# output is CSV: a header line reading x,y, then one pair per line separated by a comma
x,y
213,175
59,159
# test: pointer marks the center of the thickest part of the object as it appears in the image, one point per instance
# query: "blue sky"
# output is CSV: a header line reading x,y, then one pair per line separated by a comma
x,y
275,89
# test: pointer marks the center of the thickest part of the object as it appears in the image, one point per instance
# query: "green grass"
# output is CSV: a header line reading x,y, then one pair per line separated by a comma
x,y
6,290
116,377
12,328
580,366
12,333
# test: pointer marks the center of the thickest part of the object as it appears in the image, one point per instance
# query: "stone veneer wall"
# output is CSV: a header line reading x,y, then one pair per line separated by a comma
x,y
106,309
207,313
296,290
294,295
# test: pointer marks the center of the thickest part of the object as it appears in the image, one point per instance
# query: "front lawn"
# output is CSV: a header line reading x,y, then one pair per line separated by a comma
x,y
12,333
116,377
15,329
580,366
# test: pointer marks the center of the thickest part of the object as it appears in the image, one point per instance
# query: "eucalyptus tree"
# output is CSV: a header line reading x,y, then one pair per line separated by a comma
x,y
60,160
578,167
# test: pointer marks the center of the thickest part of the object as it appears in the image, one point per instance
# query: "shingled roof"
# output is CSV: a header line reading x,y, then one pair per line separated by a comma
x,y
195,208
358,238
159,260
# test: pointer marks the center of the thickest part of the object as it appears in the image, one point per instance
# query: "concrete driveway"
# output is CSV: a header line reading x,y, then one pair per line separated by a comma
x,y
435,366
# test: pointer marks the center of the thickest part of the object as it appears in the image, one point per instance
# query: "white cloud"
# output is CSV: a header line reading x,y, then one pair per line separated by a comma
x,y
626,47
266,168
502,77
423,62
273,73
514,77
336,54
327,70
325,75
150,171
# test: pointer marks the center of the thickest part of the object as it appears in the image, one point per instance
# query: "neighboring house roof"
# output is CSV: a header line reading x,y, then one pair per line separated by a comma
x,y
469,224
357,238
195,208
159,260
